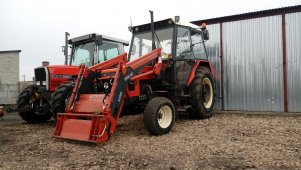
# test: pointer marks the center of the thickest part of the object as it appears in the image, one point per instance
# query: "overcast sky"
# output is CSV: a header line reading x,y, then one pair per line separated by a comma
x,y
37,27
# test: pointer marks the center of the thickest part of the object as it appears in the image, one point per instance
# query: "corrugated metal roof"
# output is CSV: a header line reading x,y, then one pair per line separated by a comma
x,y
250,15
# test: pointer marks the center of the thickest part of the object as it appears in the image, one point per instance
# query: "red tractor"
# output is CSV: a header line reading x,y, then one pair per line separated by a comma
x,y
167,69
34,102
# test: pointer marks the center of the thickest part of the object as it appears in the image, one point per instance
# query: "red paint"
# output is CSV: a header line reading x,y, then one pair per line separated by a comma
x,y
60,70
195,66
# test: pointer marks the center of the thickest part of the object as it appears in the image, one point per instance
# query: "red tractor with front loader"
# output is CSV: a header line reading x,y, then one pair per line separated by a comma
x,y
167,69
34,102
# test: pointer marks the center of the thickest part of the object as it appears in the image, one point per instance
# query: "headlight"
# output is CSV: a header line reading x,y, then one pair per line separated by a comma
x,y
39,83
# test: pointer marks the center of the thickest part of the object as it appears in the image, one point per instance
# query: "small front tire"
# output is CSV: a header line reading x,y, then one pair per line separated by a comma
x,y
159,116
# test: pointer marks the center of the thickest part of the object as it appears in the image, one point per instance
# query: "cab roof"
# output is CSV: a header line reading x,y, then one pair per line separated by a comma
x,y
92,36
162,24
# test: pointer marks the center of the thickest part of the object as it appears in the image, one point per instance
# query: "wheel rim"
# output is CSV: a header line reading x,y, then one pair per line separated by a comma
x,y
164,116
207,93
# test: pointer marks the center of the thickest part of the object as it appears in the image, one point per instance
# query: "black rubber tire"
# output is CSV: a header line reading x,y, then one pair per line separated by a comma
x,y
58,102
151,113
31,116
198,109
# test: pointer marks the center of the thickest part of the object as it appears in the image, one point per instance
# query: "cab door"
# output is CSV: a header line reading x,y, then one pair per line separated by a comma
x,y
184,57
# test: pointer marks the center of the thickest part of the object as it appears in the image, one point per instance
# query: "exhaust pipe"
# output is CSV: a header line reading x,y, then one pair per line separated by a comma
x,y
66,48
153,30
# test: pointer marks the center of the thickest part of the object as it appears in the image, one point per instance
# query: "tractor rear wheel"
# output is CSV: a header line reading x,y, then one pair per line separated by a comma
x,y
159,115
60,98
202,92
31,109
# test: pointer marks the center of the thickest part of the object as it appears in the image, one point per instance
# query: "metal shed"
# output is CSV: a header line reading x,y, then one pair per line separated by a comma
x,y
257,57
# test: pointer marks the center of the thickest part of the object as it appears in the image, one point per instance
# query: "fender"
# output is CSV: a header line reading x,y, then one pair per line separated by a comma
x,y
198,63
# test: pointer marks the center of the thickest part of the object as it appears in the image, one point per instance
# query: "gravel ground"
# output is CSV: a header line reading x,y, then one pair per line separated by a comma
x,y
228,140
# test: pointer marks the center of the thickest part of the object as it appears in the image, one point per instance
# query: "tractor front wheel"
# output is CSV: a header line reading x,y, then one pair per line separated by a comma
x,y
60,98
202,92
33,108
159,115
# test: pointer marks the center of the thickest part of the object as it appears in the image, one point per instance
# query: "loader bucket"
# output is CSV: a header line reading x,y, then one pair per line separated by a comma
x,y
88,123
83,127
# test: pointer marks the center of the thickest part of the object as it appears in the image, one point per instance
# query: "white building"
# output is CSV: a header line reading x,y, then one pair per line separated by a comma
x,y
9,76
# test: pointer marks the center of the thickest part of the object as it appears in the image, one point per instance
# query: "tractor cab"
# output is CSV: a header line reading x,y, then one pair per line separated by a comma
x,y
88,49
181,43
93,48
178,40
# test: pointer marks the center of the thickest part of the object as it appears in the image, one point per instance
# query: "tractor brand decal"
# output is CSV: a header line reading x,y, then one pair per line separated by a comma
x,y
119,97
61,76
128,76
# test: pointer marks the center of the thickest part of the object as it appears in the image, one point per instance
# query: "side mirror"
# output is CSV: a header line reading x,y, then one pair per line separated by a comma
x,y
98,40
130,28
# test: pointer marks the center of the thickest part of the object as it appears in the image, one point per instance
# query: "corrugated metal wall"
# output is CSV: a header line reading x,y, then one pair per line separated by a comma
x,y
213,50
293,54
252,58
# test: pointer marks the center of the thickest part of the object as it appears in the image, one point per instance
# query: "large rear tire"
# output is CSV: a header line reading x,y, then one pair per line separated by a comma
x,y
28,108
60,98
159,115
202,92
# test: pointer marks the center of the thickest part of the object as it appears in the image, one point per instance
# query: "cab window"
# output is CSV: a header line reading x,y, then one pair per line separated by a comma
x,y
183,44
198,45
83,54
107,51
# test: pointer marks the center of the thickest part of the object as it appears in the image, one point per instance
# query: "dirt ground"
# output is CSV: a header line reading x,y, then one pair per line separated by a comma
x,y
228,140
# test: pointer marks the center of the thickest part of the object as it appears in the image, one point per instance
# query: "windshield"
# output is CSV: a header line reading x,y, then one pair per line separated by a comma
x,y
142,43
83,54
107,51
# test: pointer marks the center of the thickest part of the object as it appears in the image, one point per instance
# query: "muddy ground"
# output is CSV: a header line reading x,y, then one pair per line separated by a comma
x,y
228,140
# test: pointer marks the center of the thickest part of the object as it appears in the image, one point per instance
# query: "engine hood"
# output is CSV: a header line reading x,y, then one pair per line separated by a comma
x,y
55,75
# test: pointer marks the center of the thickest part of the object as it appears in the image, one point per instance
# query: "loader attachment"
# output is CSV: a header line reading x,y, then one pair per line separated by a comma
x,y
93,116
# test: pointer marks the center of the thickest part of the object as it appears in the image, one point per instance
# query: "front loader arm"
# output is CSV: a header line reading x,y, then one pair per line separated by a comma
x,y
91,72
132,68
93,117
